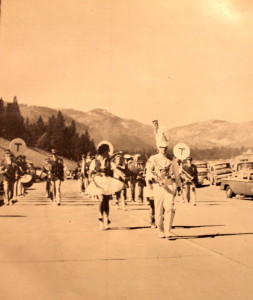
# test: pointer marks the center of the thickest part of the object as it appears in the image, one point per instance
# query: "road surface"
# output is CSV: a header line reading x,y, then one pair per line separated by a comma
x,y
59,252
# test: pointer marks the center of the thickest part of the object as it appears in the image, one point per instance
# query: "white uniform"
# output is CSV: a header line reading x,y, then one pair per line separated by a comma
x,y
157,168
160,136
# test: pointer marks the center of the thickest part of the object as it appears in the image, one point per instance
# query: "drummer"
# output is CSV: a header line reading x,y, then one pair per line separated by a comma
x,y
19,189
11,173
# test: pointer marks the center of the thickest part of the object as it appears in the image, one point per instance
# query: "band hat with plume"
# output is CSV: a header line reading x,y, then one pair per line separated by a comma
x,y
162,144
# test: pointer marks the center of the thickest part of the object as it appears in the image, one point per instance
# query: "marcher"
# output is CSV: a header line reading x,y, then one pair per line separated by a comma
x,y
11,174
119,173
56,176
131,174
158,171
46,175
102,184
191,181
140,180
177,179
149,196
160,135
82,175
19,189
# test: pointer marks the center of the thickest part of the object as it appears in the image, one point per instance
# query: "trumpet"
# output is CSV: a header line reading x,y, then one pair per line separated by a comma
x,y
187,175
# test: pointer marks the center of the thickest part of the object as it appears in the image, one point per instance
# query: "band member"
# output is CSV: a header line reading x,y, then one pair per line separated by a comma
x,y
160,135
149,196
55,175
119,173
176,167
11,173
82,175
102,184
140,180
19,189
158,172
130,171
46,175
191,180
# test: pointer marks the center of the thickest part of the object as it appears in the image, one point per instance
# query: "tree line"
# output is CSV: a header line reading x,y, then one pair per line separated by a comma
x,y
55,134
52,134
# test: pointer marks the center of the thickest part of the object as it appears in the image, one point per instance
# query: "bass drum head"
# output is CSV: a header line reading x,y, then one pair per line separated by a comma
x,y
27,180
28,184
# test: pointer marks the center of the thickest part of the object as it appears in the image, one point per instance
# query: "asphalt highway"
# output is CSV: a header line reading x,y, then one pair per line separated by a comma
x,y
59,252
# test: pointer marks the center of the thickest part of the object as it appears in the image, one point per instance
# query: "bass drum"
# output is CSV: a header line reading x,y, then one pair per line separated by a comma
x,y
27,180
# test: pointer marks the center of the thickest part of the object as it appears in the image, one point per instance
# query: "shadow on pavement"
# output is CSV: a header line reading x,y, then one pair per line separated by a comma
x,y
202,236
12,216
195,226
129,228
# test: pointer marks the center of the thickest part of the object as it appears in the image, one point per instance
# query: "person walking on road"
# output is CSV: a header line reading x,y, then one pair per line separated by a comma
x,y
191,181
149,195
11,174
158,171
103,185
118,173
57,176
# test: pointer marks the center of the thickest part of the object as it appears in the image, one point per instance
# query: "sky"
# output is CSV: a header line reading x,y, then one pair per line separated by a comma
x,y
176,61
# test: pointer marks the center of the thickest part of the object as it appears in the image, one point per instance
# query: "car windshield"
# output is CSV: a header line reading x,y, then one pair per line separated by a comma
x,y
245,166
201,165
222,166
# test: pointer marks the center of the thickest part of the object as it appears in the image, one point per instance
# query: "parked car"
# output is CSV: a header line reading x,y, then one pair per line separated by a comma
x,y
218,171
203,173
241,183
243,165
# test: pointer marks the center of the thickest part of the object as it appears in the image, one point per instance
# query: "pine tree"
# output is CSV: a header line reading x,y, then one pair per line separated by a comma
x,y
70,140
2,117
15,126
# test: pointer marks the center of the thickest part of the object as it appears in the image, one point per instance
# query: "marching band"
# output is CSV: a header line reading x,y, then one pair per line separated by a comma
x,y
155,181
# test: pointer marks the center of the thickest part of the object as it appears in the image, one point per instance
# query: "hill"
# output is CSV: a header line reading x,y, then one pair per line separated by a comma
x,y
131,135
35,155
124,134
213,133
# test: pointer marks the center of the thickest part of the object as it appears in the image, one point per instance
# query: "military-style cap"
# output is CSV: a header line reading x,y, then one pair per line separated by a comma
x,y
162,144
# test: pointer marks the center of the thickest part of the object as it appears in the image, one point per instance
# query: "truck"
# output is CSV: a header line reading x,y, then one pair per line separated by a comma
x,y
203,173
219,170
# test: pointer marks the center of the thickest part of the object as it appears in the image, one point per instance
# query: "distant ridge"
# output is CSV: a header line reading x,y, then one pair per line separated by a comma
x,y
134,136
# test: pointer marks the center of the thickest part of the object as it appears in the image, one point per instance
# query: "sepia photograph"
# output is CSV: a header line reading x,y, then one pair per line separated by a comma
x,y
126,149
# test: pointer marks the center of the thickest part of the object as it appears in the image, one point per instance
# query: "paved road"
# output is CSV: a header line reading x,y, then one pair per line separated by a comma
x,y
58,252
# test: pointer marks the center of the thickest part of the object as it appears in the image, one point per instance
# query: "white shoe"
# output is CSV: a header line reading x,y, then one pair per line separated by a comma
x,y
161,235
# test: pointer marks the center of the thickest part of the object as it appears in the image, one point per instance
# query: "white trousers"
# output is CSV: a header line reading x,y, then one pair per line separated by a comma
x,y
163,204
56,190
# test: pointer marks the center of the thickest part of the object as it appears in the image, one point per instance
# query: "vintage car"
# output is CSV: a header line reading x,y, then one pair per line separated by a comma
x,y
243,165
203,173
240,183
219,170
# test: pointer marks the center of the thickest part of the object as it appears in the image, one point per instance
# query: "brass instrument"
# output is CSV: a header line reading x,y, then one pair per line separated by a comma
x,y
188,177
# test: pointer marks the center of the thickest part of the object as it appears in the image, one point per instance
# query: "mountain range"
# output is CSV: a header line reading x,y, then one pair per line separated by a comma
x,y
134,136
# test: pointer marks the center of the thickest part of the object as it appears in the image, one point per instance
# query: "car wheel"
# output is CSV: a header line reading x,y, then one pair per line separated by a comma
x,y
229,192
